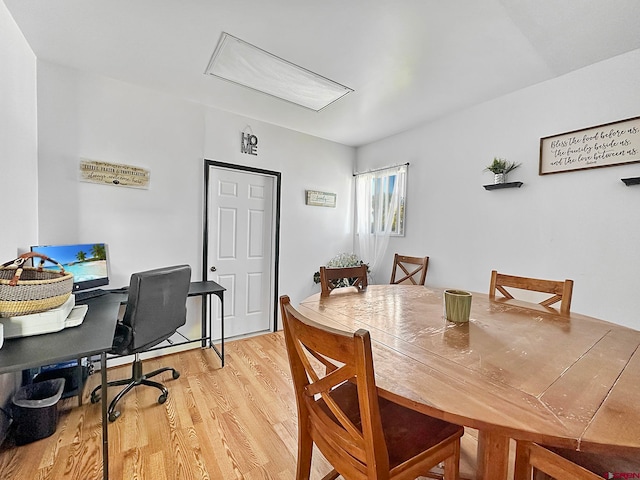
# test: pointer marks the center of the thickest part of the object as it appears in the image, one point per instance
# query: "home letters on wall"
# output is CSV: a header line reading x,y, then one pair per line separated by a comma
x,y
604,145
248,143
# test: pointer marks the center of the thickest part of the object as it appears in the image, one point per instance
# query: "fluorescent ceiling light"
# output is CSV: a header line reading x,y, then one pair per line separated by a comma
x,y
240,62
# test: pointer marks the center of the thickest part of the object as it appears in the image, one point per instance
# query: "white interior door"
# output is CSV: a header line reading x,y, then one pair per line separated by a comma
x,y
240,248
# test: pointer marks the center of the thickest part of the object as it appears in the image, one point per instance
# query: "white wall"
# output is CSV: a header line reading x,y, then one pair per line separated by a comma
x,y
18,158
87,116
582,225
18,139
309,235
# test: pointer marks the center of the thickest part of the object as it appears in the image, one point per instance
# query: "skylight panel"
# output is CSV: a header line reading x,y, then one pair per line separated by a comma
x,y
244,64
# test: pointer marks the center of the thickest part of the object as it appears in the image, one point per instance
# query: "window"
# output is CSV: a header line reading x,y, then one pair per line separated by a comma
x,y
381,198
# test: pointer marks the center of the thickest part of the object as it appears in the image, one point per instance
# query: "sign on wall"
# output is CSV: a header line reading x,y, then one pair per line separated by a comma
x,y
106,173
605,145
320,199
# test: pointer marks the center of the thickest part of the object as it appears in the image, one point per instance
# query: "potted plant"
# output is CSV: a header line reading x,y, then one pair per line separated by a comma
x,y
500,167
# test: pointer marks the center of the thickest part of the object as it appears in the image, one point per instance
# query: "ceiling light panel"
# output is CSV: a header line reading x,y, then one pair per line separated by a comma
x,y
240,62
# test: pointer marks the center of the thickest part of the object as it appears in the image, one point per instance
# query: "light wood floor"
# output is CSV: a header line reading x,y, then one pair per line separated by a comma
x,y
236,422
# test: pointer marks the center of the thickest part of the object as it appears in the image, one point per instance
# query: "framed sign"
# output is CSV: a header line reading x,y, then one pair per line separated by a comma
x,y
320,199
604,145
106,173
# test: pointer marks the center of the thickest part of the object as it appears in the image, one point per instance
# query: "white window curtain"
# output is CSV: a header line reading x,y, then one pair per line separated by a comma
x,y
377,203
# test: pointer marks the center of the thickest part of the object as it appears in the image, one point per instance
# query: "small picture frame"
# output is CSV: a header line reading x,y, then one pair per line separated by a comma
x,y
320,199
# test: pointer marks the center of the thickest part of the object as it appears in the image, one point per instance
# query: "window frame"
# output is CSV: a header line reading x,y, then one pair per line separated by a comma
x,y
380,183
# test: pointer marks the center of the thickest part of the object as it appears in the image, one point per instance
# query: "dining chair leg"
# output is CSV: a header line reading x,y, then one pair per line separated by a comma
x,y
452,465
305,450
521,469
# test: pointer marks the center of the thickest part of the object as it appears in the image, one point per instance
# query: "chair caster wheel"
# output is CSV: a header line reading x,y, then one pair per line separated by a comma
x,y
95,398
176,374
113,416
162,398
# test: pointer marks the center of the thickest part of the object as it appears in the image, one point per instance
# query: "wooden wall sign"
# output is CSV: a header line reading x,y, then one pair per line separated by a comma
x,y
320,199
606,145
105,173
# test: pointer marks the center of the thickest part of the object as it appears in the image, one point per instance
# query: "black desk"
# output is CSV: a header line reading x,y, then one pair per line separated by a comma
x,y
93,337
206,289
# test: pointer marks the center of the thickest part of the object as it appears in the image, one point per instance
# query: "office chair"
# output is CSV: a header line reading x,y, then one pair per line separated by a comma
x,y
416,276
362,434
156,307
332,277
561,291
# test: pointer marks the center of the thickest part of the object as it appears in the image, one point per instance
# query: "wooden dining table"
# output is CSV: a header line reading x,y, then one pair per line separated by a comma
x,y
515,370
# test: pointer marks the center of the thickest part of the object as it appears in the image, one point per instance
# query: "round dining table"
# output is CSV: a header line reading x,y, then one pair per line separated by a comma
x,y
515,370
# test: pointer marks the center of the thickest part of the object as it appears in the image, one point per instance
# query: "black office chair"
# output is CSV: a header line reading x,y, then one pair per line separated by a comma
x,y
156,307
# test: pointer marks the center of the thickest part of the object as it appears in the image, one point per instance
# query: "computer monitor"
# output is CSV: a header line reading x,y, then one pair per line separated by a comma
x,y
88,262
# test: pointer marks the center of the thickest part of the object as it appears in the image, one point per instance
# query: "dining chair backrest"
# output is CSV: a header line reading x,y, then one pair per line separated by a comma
x,y
533,456
560,291
315,353
412,269
334,277
360,433
561,463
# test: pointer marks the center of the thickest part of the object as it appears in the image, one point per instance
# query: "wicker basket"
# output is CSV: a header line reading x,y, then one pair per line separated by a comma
x,y
25,290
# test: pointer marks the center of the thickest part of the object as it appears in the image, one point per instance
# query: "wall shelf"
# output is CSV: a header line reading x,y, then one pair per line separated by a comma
x,y
497,186
631,181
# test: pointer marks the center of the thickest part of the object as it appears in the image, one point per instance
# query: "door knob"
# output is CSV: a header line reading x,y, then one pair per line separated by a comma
x,y
213,269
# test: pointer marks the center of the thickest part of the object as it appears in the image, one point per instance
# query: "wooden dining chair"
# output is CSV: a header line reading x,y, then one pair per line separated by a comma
x,y
535,460
561,291
546,463
362,434
414,269
331,277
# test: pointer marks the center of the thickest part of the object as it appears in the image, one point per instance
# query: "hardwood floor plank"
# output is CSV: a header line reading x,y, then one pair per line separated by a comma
x,y
232,423
215,450
156,469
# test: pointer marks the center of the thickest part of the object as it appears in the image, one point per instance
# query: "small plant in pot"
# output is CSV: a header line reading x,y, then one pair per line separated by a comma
x,y
500,167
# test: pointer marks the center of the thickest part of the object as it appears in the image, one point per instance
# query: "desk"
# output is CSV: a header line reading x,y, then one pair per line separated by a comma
x,y
94,336
205,290
516,370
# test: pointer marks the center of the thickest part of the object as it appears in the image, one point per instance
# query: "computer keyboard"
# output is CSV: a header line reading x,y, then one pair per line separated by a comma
x,y
124,290
87,294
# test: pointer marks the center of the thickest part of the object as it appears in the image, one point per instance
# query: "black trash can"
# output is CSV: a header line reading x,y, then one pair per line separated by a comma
x,y
35,410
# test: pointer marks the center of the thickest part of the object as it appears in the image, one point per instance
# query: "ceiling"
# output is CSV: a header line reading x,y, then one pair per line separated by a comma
x,y
408,61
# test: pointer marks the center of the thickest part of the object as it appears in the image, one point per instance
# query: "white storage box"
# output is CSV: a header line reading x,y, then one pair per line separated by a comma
x,y
52,320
